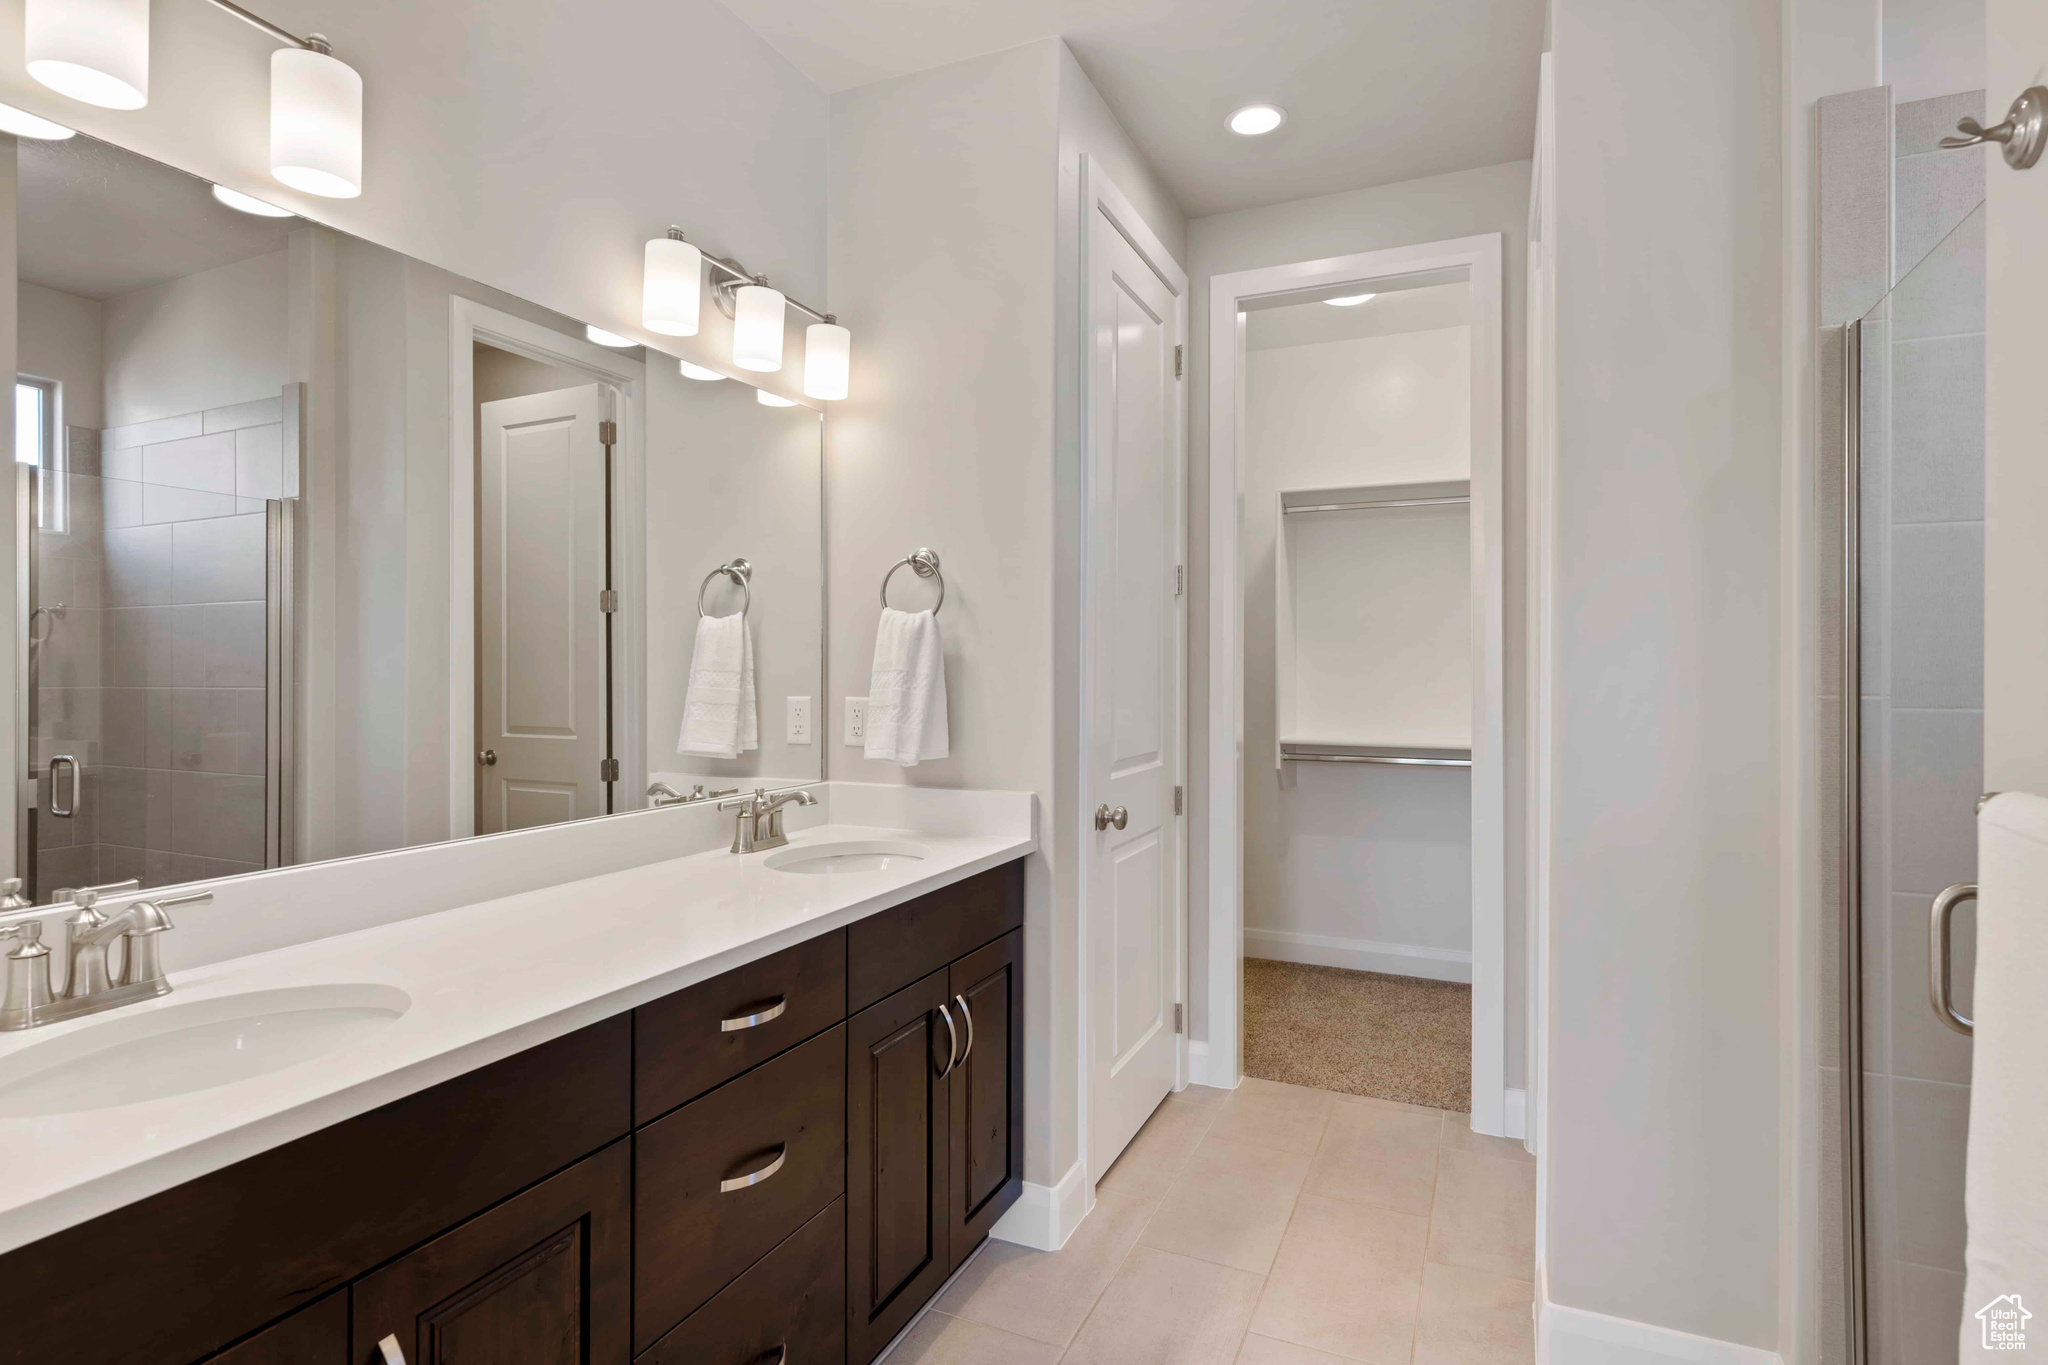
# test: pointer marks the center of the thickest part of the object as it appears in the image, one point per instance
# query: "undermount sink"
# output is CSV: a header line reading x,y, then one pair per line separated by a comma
x,y
181,1048
864,855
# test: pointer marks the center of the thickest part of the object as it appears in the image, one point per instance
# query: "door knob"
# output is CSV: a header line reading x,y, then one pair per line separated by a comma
x,y
489,758
1105,818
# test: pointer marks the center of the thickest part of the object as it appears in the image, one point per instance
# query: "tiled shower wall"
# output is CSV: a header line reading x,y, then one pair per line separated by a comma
x,y
155,674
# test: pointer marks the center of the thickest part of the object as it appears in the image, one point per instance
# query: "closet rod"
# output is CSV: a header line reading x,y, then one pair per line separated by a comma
x,y
1379,758
1391,502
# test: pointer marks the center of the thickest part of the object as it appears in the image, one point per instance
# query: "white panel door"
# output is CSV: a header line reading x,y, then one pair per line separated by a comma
x,y
541,667
1133,688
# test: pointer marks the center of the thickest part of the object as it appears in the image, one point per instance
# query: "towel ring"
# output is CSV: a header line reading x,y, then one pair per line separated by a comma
x,y
739,571
925,564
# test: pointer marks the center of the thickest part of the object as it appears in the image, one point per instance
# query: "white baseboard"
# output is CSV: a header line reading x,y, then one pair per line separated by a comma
x,y
1358,954
1044,1216
1516,1116
1576,1336
1198,1067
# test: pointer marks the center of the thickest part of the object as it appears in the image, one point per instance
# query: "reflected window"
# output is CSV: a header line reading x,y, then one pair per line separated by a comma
x,y
35,444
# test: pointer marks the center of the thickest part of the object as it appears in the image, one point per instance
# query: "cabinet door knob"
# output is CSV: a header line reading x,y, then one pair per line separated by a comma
x,y
756,1018
757,1175
390,1350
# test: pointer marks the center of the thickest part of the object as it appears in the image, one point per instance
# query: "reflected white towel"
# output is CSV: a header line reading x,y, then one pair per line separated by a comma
x,y
907,694
720,717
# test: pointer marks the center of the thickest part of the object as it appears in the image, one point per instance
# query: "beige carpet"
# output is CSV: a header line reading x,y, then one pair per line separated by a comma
x,y
1363,1033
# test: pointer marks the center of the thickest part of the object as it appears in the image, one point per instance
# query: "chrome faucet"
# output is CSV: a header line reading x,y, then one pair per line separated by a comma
x,y
758,824
90,982
665,795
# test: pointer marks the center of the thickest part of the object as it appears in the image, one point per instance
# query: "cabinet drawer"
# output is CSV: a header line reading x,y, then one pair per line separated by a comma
x,y
793,1301
886,952
709,1033
315,1335
695,1226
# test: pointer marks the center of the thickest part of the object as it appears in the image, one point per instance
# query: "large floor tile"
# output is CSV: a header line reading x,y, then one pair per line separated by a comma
x,y
1485,1214
1230,1205
1458,1133
1161,1149
1164,1309
1287,1118
1383,1157
1472,1318
941,1340
1258,1350
1046,1294
1375,1102
1347,1280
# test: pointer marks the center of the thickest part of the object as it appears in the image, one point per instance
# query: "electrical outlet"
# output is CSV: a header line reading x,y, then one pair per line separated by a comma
x,y
856,720
796,726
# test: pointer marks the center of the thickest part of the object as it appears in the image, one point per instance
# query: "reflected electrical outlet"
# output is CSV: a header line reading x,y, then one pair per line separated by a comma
x,y
856,720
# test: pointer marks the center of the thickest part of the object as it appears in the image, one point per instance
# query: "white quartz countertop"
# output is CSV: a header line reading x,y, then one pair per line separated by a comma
x,y
486,981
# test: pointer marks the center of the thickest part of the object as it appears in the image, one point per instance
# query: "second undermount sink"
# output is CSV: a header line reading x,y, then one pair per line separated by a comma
x,y
862,855
180,1048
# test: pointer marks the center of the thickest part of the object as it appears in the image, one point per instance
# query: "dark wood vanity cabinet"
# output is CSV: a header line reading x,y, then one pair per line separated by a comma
x,y
780,1163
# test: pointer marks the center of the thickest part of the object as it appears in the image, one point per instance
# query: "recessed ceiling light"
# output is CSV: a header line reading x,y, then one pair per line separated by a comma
x,y
249,203
703,372
22,123
772,400
604,338
1351,300
1255,119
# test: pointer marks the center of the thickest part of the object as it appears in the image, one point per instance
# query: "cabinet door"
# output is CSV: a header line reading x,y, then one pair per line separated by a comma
x,y
540,1280
315,1335
897,1252
986,1091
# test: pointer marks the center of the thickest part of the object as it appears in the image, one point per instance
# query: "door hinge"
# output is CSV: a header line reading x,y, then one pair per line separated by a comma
x,y
608,770
608,432
1177,359
1180,801
1180,579
1178,1026
608,600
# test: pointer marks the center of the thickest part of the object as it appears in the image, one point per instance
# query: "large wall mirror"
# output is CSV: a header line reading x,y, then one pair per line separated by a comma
x,y
324,551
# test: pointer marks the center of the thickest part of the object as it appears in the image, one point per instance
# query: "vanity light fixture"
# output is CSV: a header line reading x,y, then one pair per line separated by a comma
x,y
316,112
703,372
604,338
827,346
671,284
22,123
95,51
757,328
1254,120
1351,300
249,203
770,400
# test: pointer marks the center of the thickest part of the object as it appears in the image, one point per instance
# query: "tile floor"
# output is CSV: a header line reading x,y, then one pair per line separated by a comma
x,y
1276,1225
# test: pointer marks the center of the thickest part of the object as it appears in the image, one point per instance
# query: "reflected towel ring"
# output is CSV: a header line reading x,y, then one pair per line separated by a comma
x,y
739,571
923,563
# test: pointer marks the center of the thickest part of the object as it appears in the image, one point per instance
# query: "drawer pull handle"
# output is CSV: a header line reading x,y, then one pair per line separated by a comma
x,y
390,1350
967,1015
756,1019
757,1175
952,1043
778,1356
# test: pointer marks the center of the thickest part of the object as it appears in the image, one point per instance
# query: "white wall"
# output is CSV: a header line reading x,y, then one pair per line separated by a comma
x,y
59,335
1491,199
1663,1147
201,341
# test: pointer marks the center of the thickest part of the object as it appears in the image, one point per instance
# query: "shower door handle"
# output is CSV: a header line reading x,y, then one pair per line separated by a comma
x,y
64,812
1939,955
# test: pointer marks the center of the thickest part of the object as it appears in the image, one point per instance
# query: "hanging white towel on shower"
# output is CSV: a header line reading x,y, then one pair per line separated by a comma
x,y
720,716
907,692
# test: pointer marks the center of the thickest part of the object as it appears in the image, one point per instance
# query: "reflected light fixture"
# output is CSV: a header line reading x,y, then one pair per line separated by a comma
x,y
604,338
703,372
95,51
22,123
757,328
1256,119
249,203
770,400
1351,300
671,286
827,347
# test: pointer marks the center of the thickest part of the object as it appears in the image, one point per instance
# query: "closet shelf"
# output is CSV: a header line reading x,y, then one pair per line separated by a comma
x,y
1398,754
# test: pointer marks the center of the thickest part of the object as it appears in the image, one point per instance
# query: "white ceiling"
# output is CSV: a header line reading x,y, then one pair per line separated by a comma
x,y
1375,90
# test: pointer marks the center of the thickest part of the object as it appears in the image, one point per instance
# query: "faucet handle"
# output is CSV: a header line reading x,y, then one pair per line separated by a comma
x,y
13,894
29,933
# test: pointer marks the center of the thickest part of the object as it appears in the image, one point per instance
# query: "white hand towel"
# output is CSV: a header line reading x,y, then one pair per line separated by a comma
x,y
720,716
907,694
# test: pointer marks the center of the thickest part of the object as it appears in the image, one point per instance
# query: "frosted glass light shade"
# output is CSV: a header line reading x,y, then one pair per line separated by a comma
x,y
249,203
22,123
703,372
772,400
316,123
827,347
671,286
757,328
91,50
604,338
